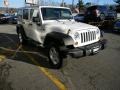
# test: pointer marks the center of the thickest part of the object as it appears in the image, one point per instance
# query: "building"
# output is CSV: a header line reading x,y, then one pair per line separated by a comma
x,y
7,10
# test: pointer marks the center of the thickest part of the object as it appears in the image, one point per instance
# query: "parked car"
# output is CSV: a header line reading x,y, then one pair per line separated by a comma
x,y
13,19
3,18
117,26
79,17
99,13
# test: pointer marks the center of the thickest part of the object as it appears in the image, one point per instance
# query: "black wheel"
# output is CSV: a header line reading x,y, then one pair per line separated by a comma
x,y
22,38
102,17
103,47
55,57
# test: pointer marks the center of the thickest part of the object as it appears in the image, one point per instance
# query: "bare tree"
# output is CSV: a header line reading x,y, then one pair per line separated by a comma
x,y
117,1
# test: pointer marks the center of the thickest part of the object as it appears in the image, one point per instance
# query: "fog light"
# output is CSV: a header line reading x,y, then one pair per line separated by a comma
x,y
76,43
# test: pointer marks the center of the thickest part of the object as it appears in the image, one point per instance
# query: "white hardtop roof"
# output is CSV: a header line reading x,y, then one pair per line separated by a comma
x,y
31,7
53,7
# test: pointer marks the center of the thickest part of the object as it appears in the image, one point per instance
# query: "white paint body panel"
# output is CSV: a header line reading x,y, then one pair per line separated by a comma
x,y
38,33
64,26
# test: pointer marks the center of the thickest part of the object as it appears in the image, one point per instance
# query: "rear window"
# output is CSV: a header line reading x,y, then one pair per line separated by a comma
x,y
102,8
92,8
31,13
26,14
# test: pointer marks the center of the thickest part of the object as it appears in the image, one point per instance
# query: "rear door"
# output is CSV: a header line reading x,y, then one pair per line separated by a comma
x,y
25,21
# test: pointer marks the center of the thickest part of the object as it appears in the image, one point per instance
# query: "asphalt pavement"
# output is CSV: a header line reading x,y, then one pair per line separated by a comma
x,y
27,67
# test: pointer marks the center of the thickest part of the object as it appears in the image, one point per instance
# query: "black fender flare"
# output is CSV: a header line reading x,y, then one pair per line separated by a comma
x,y
19,27
58,38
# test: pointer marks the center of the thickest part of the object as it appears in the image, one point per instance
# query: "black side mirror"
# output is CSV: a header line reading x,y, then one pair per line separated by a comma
x,y
36,19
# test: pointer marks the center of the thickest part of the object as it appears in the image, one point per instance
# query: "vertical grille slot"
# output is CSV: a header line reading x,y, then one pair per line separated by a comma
x,y
84,37
92,35
81,38
88,36
95,34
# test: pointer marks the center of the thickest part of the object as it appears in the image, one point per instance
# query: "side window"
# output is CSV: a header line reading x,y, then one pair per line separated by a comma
x,y
19,14
26,14
31,13
103,8
35,13
36,16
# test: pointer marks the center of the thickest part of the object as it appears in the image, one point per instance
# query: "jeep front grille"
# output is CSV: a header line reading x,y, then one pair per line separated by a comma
x,y
88,36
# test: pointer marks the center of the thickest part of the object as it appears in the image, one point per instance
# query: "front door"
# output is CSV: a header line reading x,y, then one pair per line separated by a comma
x,y
35,29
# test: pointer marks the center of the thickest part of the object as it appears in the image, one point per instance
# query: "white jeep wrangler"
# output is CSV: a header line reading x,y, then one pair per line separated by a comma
x,y
55,29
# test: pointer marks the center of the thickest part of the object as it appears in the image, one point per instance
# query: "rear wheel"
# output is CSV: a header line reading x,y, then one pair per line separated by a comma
x,y
55,57
22,38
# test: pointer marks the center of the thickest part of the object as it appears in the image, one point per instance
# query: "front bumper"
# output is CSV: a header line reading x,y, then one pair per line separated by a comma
x,y
116,28
87,50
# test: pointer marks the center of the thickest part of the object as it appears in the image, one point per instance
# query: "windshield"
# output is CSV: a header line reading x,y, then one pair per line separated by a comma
x,y
56,13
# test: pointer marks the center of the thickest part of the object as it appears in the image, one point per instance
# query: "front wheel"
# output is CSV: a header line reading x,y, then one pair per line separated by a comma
x,y
55,58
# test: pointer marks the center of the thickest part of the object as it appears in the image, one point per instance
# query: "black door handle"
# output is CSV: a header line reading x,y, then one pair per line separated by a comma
x,y
30,24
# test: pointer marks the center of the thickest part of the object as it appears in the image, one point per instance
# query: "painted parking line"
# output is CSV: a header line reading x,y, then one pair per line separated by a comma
x,y
11,40
2,58
16,51
50,75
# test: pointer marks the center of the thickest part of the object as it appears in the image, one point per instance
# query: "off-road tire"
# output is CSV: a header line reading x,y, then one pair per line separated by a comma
x,y
54,55
22,37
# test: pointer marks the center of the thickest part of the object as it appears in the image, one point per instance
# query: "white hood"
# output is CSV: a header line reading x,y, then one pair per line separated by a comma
x,y
64,26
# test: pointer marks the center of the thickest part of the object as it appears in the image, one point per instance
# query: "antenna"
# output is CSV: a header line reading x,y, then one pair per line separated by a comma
x,y
63,3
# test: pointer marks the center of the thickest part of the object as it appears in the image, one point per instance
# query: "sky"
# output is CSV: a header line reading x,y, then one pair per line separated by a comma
x,y
20,3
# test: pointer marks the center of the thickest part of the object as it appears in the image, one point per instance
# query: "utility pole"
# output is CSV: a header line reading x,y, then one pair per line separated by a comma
x,y
62,3
80,4
72,4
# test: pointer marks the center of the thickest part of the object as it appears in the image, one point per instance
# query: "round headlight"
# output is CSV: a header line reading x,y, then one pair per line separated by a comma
x,y
76,35
101,33
98,31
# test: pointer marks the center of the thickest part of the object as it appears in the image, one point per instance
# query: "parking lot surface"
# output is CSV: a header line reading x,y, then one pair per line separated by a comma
x,y
27,67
